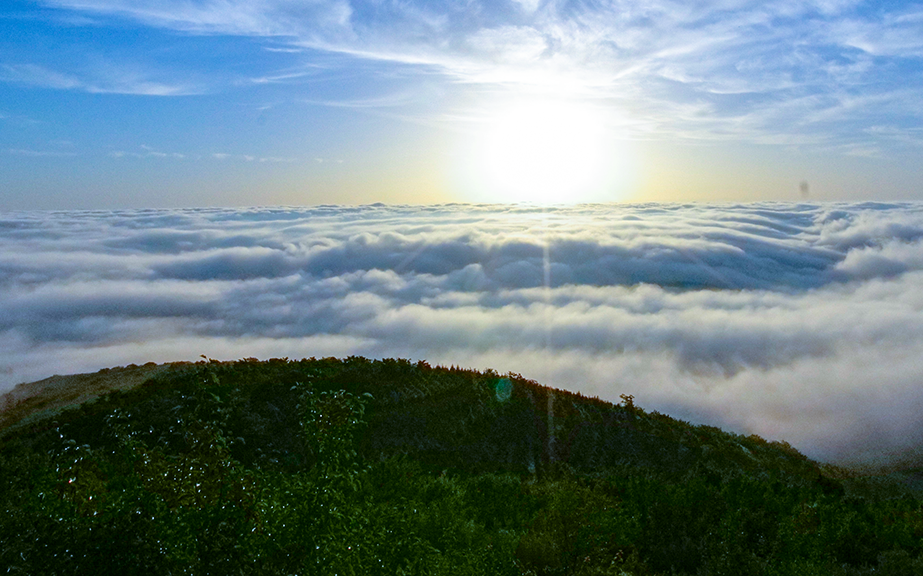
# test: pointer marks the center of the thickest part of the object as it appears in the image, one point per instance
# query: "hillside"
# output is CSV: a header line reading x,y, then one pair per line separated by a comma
x,y
57,392
450,417
276,466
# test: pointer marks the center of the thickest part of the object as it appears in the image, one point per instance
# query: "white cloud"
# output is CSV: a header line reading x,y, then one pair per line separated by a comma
x,y
509,43
270,18
147,152
737,66
103,80
796,322
39,153
528,5
37,75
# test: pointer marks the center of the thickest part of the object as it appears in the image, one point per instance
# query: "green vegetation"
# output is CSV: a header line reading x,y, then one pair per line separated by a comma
x,y
389,467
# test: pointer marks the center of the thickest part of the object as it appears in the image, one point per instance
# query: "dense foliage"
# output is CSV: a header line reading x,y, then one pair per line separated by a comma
x,y
387,467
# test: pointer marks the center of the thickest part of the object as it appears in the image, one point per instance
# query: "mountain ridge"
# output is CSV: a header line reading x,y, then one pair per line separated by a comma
x,y
562,426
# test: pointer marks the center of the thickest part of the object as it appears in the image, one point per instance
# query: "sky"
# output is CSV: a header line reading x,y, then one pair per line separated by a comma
x,y
716,207
800,322
194,103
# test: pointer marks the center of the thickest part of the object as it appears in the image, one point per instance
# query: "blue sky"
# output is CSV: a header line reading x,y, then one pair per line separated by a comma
x,y
169,103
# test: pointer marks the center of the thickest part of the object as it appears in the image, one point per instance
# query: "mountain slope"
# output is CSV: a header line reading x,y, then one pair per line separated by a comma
x,y
379,467
448,417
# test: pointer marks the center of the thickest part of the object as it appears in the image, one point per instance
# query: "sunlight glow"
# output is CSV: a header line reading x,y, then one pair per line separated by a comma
x,y
546,151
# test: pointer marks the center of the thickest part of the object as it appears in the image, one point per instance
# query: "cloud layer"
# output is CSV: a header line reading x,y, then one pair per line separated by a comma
x,y
797,322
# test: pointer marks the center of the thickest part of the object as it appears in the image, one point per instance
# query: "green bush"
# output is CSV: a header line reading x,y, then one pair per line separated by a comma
x,y
367,467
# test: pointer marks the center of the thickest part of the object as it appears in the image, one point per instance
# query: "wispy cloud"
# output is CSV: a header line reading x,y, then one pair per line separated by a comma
x,y
656,60
273,18
800,322
40,153
110,80
17,119
38,76
284,77
147,152
395,100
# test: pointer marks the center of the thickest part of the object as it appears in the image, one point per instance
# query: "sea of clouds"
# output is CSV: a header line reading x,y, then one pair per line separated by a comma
x,y
798,322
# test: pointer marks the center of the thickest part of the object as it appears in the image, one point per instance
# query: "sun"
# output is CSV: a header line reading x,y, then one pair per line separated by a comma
x,y
545,151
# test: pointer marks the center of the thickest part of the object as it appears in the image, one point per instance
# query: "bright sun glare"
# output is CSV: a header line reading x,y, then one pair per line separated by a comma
x,y
546,151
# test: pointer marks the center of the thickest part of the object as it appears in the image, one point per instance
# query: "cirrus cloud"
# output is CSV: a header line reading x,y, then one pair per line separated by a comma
x,y
825,75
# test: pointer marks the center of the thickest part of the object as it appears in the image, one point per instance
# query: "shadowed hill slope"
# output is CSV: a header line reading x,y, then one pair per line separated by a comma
x,y
57,392
357,466
444,417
